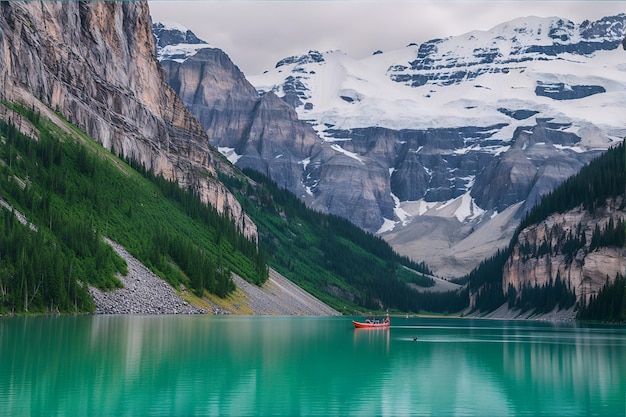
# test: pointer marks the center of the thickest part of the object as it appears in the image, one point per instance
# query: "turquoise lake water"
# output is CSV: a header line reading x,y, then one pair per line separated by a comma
x,y
289,366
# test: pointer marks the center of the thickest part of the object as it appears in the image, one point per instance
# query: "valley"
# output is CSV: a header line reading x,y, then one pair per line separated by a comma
x,y
397,181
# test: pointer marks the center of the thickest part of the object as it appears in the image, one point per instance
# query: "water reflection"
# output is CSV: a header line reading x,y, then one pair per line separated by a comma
x,y
372,339
515,368
167,365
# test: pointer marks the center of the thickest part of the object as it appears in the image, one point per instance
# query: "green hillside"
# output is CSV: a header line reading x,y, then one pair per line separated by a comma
x,y
74,193
333,259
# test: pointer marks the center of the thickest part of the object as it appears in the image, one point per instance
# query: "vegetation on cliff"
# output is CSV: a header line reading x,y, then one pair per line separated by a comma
x,y
602,178
608,305
75,193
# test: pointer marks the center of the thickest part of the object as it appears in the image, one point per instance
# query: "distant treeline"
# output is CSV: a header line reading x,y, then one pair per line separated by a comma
x,y
542,298
608,305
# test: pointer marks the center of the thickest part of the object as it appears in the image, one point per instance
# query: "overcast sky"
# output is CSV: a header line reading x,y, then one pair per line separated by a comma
x,y
257,34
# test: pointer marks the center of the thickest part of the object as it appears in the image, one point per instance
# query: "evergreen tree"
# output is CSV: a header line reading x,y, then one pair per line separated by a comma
x,y
602,178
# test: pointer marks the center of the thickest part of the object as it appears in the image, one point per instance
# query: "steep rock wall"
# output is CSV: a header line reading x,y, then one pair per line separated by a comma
x,y
264,131
584,271
94,63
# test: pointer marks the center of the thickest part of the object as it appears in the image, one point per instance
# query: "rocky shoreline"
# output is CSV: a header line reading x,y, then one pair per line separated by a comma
x,y
505,313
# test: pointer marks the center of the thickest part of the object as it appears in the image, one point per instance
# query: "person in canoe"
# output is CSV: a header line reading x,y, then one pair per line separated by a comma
x,y
371,323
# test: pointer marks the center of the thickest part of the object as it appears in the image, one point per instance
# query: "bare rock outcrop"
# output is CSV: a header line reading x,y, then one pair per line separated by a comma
x,y
264,131
540,254
95,64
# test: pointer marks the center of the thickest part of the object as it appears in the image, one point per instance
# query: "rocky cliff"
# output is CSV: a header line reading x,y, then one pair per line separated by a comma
x,y
264,133
94,63
261,133
563,246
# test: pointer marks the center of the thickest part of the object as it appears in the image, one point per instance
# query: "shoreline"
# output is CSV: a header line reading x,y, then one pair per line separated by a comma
x,y
144,293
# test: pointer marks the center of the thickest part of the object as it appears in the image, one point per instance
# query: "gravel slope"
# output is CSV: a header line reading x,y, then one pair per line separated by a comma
x,y
143,292
282,297
146,293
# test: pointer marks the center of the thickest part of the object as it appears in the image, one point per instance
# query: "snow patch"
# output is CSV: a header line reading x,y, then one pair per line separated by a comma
x,y
500,149
464,208
418,208
181,52
468,209
171,25
576,149
347,153
387,226
305,163
230,154
404,217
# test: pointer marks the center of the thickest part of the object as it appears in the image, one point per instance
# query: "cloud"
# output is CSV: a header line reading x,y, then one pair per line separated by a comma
x,y
257,34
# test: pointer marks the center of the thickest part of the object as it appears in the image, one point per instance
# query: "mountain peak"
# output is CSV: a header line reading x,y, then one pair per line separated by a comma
x,y
173,33
174,41
506,47
311,57
421,137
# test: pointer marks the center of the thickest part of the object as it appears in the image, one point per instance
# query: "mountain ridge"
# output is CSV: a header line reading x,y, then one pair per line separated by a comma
x,y
390,154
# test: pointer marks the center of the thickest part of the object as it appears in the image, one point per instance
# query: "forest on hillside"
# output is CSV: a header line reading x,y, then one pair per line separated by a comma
x,y
74,193
333,259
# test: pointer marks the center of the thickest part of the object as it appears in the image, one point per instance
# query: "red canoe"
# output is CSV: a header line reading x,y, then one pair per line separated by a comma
x,y
371,324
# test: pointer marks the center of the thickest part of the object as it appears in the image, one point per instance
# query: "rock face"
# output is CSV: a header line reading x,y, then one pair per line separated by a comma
x,y
440,147
263,132
541,252
166,36
534,164
517,43
94,63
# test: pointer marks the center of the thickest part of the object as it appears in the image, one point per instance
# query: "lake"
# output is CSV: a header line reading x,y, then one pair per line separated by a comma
x,y
288,366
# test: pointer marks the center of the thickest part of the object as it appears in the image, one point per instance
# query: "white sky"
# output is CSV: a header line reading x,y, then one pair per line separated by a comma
x,y
257,34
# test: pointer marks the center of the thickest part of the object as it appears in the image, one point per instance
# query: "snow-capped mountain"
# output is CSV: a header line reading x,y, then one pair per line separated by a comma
x,y
440,146
175,42
477,74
